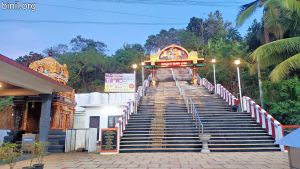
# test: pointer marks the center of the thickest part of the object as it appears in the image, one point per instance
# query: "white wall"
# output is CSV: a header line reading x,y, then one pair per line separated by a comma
x,y
99,104
82,119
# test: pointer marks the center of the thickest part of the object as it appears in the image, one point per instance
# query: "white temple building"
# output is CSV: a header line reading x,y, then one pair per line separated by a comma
x,y
99,110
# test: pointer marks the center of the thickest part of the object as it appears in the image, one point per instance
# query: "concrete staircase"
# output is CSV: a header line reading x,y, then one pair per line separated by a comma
x,y
162,124
56,140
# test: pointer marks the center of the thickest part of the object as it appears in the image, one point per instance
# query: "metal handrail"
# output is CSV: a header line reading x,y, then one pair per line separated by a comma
x,y
190,105
196,116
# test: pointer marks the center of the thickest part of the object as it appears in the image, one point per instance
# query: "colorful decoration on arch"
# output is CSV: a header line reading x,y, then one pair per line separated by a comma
x,y
174,56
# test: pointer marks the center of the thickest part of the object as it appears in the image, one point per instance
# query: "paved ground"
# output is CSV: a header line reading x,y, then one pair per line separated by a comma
x,y
276,160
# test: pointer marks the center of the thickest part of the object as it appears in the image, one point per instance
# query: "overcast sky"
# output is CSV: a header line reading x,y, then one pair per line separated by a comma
x,y
113,22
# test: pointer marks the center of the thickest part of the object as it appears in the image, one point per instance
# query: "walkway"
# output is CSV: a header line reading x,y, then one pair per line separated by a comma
x,y
252,160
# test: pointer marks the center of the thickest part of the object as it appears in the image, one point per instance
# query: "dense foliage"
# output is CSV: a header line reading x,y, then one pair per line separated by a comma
x,y
211,37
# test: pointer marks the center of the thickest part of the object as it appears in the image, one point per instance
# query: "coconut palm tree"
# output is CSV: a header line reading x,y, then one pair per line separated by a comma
x,y
284,53
278,18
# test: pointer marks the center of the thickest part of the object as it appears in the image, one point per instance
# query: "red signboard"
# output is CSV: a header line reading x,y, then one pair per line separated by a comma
x,y
174,63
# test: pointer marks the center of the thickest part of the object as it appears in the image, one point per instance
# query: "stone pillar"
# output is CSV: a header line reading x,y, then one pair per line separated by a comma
x,y
45,118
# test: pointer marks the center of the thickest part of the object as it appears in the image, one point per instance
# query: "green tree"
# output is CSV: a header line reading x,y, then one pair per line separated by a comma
x,y
56,51
253,37
82,44
86,70
283,100
163,39
26,60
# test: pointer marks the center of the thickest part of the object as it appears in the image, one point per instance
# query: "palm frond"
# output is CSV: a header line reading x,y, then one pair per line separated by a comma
x,y
246,11
285,68
272,19
277,51
291,5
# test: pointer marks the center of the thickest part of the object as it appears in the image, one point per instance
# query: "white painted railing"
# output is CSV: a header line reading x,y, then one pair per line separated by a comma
x,y
130,108
81,139
267,122
3,133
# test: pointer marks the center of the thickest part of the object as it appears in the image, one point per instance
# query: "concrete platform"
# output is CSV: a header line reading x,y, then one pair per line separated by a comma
x,y
251,160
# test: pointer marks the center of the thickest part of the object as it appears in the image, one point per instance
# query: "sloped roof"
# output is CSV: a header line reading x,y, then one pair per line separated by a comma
x,y
22,76
291,140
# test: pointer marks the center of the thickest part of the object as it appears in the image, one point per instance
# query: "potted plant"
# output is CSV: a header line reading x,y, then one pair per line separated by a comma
x,y
39,153
9,154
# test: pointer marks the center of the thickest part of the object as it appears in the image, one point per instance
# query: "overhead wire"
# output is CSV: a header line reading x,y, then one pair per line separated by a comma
x,y
107,11
88,22
176,2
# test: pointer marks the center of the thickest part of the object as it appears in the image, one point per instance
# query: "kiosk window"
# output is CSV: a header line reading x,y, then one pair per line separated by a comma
x,y
112,121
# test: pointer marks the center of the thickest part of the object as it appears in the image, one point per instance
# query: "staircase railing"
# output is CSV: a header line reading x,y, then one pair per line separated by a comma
x,y
267,122
130,108
196,116
190,105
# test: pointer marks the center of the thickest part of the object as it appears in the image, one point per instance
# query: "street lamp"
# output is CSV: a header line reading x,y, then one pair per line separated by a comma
x,y
134,66
213,61
237,63
143,76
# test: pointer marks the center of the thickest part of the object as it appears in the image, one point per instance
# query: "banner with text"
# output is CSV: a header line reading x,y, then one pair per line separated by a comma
x,y
124,82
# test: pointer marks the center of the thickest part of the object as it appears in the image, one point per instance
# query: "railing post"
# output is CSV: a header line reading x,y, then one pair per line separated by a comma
x,y
263,118
269,124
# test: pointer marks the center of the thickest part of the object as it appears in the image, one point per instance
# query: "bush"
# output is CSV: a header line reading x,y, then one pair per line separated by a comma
x,y
9,154
283,100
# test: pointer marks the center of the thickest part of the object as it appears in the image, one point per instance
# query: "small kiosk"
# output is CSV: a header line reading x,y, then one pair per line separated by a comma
x,y
292,141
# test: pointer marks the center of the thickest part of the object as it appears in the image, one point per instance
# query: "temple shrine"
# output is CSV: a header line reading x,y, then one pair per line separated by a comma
x,y
27,109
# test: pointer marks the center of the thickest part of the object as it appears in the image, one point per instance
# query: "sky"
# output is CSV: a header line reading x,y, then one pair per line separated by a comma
x,y
114,22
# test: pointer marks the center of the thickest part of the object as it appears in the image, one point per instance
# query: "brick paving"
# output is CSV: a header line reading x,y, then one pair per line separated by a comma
x,y
245,160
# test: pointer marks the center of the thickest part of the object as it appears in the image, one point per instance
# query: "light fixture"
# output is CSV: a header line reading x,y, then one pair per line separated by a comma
x,y
134,66
213,61
1,85
143,63
237,62
32,105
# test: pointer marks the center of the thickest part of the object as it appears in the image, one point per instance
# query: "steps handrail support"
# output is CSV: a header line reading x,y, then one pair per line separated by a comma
x,y
130,108
196,116
268,122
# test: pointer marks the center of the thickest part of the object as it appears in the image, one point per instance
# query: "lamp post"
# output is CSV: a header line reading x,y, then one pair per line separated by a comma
x,y
237,63
143,76
134,66
213,61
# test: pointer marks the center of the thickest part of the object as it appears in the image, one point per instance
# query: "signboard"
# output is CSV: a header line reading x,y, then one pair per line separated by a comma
x,y
174,63
109,140
122,83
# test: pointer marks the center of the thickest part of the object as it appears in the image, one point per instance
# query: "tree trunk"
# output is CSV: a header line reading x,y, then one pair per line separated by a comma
x,y
261,94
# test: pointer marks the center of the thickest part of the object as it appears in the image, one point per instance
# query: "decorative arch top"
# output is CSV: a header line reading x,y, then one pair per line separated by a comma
x,y
173,52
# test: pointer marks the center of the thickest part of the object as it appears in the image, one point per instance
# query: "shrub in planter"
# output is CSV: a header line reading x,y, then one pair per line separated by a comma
x,y
9,154
39,153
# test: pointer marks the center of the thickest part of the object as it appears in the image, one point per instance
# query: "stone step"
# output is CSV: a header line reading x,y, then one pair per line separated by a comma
x,y
258,149
213,138
194,129
196,134
216,142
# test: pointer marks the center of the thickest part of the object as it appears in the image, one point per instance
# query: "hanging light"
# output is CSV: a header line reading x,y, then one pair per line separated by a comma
x,y
32,105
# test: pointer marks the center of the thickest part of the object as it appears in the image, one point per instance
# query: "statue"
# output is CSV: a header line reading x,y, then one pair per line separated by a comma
x,y
51,68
